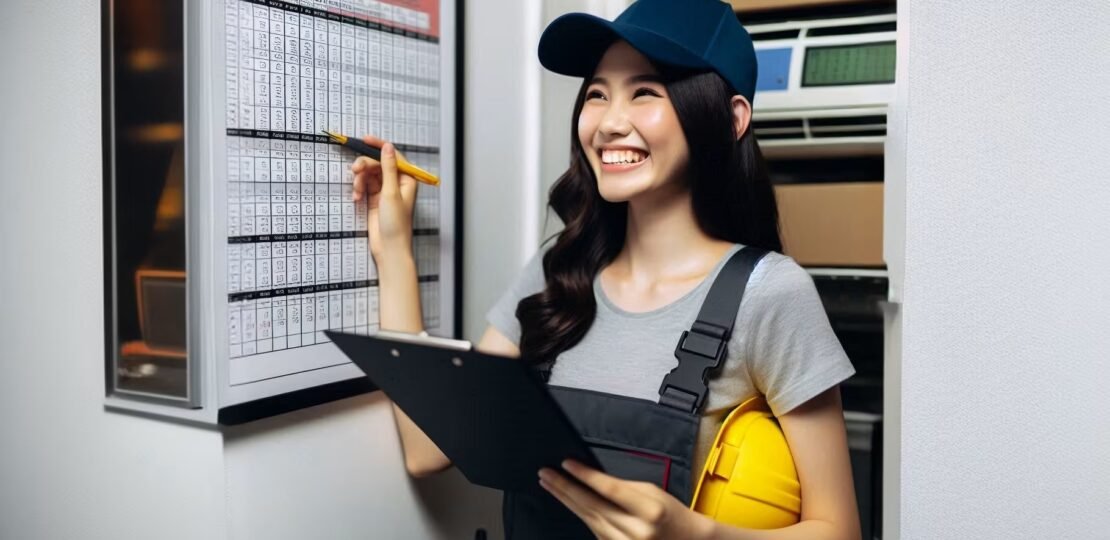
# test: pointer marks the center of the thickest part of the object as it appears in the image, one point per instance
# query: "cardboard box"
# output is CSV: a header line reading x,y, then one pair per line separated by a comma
x,y
832,224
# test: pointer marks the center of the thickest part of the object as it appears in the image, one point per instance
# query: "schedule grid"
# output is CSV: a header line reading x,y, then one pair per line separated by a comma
x,y
298,254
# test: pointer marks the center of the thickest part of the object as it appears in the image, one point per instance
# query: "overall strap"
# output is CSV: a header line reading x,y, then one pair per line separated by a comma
x,y
702,348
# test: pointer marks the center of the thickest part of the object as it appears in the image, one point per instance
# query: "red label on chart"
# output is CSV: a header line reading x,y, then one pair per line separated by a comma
x,y
420,16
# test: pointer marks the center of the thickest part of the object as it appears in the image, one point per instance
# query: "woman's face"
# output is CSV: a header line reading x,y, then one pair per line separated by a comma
x,y
628,128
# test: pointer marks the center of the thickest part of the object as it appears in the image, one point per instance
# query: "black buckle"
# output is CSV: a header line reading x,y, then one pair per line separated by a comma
x,y
699,351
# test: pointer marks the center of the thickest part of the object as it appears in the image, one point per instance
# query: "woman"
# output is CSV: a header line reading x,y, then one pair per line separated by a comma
x,y
665,184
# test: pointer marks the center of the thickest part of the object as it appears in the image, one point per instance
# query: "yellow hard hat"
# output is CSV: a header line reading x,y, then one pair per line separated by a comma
x,y
749,478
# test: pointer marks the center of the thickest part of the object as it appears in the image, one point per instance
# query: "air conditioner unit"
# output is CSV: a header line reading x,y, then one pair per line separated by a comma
x,y
824,85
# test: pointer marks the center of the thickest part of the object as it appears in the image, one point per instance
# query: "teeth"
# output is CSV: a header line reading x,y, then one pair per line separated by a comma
x,y
622,156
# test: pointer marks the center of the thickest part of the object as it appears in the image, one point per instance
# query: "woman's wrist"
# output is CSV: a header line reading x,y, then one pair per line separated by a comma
x,y
399,293
395,264
388,251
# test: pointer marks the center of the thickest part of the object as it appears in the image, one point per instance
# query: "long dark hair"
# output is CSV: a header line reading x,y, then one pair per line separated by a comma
x,y
732,201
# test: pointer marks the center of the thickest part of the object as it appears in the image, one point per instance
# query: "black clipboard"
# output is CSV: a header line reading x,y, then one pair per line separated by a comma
x,y
491,415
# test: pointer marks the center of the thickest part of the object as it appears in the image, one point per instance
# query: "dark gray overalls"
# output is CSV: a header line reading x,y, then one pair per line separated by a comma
x,y
637,439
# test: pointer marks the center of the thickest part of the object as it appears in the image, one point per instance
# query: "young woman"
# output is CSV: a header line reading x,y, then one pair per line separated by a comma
x,y
665,184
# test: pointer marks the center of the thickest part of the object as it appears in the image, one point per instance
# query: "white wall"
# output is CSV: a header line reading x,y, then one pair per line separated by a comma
x,y
499,141
334,472
1006,348
67,468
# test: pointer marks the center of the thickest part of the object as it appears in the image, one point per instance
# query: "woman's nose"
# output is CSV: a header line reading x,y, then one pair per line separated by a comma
x,y
615,120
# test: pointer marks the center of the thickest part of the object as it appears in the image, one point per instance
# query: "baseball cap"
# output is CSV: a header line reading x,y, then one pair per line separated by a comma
x,y
693,34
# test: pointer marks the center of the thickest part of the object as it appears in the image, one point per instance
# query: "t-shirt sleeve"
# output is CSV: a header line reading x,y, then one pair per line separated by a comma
x,y
792,353
529,281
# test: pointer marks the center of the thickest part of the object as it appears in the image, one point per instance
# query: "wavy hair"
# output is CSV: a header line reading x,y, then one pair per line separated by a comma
x,y
731,195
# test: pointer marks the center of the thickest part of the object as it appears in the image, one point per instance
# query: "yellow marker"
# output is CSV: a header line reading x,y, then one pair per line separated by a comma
x,y
374,152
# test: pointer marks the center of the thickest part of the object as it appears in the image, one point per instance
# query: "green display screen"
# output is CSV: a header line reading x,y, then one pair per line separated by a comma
x,y
869,63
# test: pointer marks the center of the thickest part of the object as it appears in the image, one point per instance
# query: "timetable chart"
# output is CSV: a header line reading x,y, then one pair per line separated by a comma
x,y
298,253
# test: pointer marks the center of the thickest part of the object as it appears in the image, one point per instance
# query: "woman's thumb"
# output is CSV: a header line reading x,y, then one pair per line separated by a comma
x,y
389,170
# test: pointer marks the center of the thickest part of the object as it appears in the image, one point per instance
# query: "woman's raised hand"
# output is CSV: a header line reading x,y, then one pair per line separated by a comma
x,y
392,197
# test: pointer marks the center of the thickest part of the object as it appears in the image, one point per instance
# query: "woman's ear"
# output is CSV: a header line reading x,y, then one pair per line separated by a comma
x,y
741,115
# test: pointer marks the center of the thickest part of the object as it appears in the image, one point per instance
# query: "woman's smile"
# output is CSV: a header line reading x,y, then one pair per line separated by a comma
x,y
618,167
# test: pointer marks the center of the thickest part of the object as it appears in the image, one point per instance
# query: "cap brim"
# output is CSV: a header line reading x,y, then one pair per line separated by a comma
x,y
574,43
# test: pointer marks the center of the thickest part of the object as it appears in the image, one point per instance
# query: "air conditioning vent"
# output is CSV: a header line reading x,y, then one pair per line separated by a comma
x,y
851,126
852,29
859,134
779,129
777,124
876,119
781,34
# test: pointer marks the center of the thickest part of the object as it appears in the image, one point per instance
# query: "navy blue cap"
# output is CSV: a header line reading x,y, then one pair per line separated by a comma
x,y
695,34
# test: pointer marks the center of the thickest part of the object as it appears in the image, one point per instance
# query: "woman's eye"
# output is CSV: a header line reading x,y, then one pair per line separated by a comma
x,y
595,94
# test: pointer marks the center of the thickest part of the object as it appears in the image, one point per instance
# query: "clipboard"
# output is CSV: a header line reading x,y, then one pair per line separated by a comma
x,y
491,415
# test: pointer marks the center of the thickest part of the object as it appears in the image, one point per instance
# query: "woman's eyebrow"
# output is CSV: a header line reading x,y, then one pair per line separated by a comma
x,y
643,77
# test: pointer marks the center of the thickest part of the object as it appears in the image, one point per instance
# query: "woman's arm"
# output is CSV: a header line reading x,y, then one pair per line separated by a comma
x,y
422,456
391,198
399,309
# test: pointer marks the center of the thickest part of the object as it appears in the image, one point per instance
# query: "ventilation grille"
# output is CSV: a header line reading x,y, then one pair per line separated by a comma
x,y
778,34
820,128
852,29
821,31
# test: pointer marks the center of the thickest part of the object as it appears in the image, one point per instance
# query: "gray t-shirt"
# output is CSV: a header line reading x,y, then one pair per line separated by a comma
x,y
781,346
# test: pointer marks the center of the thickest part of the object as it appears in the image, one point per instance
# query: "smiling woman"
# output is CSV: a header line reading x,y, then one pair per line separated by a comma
x,y
668,214
666,183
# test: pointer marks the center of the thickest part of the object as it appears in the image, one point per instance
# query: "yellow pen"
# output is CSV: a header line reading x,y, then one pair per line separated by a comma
x,y
373,152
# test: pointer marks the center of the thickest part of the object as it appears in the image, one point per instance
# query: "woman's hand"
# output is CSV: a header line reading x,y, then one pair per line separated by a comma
x,y
622,509
392,197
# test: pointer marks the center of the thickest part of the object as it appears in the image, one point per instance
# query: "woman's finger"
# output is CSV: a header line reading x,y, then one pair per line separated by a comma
x,y
373,184
363,167
389,171
620,492
358,187
629,524
591,517
373,141
366,183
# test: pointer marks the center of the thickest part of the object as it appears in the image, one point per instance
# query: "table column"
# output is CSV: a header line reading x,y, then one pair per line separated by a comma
x,y
280,323
248,318
387,57
261,57
335,105
264,323
292,56
320,73
374,57
293,309
246,66
234,329
347,78
362,81
231,57
277,69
